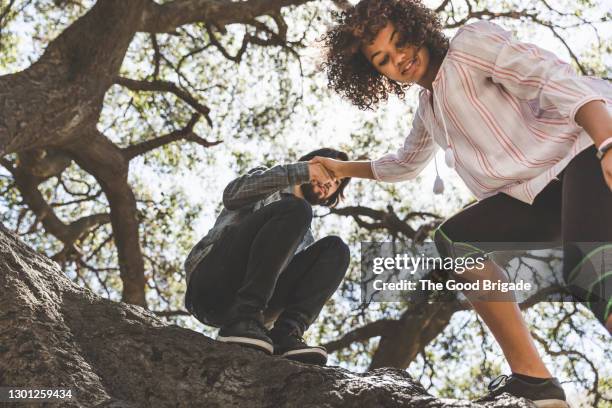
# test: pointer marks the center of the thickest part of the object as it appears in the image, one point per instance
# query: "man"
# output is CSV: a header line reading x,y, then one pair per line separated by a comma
x,y
260,259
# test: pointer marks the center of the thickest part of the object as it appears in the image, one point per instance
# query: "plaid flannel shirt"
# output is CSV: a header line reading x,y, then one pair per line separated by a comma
x,y
246,194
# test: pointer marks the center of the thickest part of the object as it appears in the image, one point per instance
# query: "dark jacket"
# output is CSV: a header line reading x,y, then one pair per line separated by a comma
x,y
246,194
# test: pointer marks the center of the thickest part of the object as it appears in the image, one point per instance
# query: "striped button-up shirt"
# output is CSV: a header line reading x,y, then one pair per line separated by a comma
x,y
506,110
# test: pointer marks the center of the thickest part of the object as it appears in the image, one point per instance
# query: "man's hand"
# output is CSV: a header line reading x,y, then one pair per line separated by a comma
x,y
606,167
319,174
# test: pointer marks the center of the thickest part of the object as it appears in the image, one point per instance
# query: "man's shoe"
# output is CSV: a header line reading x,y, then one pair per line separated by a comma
x,y
247,332
289,343
547,394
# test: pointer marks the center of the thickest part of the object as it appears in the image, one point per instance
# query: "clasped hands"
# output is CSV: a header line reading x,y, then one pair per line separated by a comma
x,y
325,171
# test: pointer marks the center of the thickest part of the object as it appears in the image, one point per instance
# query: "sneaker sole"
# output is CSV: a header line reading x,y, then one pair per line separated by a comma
x,y
551,403
249,342
315,356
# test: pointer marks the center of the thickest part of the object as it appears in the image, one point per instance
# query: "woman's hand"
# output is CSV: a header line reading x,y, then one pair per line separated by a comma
x,y
606,167
333,166
319,174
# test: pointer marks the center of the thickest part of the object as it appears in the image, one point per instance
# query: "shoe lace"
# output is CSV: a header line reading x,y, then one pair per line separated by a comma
x,y
295,334
258,325
498,382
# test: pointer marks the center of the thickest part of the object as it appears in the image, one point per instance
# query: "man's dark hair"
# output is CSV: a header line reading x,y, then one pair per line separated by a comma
x,y
335,198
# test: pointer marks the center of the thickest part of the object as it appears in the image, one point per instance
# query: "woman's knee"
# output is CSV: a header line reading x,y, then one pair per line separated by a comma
x,y
586,275
442,241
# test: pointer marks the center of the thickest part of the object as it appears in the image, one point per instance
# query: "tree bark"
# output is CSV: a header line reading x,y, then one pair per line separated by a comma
x,y
400,348
99,156
54,333
48,103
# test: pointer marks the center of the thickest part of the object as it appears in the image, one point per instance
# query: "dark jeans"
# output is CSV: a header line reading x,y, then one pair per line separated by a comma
x,y
575,209
253,268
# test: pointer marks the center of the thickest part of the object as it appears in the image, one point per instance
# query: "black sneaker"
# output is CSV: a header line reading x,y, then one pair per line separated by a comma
x,y
289,343
547,394
247,332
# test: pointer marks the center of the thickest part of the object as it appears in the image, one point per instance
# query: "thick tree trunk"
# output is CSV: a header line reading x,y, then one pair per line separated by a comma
x,y
401,348
56,334
97,155
50,102
57,101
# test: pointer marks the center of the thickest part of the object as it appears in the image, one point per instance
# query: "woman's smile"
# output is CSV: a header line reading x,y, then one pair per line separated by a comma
x,y
398,62
408,68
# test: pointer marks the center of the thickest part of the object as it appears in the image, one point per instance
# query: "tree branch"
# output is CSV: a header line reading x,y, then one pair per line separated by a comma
x,y
43,163
27,184
363,333
442,6
156,56
166,86
236,58
185,134
169,313
389,220
168,17
99,156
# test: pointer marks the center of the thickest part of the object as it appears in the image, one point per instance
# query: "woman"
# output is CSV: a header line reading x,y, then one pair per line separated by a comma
x,y
529,137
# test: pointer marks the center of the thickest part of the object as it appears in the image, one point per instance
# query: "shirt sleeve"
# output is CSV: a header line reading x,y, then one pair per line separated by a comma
x,y
260,182
526,70
410,159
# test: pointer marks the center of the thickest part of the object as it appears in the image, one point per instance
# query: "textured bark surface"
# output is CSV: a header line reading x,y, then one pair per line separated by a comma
x,y
56,334
64,90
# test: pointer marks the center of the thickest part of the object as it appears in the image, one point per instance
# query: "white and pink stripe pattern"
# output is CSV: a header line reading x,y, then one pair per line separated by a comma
x,y
509,107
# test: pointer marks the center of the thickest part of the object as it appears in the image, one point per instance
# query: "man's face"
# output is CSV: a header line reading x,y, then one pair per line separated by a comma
x,y
317,194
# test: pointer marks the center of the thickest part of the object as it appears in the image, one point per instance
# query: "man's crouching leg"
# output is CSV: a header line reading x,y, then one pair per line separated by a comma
x,y
262,246
305,285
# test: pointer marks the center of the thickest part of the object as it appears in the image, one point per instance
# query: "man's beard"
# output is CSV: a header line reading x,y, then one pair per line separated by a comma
x,y
310,195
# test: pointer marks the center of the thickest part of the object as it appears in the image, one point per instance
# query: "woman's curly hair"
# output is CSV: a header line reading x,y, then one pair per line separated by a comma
x,y
348,70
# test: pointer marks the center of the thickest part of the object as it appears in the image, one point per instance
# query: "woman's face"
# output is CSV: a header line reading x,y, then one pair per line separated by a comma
x,y
404,65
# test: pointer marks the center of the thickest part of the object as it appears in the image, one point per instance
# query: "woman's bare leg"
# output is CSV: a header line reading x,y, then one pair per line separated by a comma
x,y
506,322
